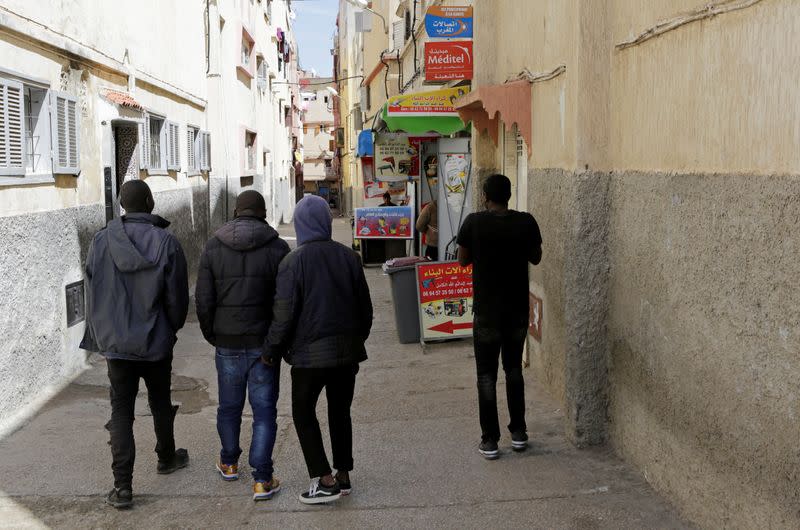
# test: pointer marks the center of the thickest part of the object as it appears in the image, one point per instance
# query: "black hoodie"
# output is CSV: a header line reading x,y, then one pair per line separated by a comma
x,y
137,289
236,283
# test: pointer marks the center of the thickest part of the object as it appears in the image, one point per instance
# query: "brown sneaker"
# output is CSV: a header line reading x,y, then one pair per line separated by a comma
x,y
263,491
228,472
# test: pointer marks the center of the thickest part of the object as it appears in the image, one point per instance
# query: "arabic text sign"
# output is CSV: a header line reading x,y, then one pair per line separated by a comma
x,y
388,222
396,157
444,292
432,103
444,22
448,60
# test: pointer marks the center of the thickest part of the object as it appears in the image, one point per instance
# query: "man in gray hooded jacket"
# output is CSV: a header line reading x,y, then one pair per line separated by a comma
x,y
137,298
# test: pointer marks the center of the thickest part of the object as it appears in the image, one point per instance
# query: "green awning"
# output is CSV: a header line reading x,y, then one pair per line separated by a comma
x,y
444,125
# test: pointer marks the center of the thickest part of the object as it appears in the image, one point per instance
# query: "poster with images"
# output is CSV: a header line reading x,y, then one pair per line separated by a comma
x,y
444,292
389,222
397,157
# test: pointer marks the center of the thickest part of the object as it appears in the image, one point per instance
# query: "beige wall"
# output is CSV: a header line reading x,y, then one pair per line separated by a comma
x,y
691,139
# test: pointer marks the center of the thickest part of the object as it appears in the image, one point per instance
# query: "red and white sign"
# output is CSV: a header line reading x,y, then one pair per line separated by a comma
x,y
444,291
448,60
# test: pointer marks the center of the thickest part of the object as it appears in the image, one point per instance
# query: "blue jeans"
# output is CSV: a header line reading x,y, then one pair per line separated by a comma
x,y
240,372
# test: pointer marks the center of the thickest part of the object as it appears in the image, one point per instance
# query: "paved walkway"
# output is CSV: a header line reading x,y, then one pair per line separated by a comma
x,y
415,428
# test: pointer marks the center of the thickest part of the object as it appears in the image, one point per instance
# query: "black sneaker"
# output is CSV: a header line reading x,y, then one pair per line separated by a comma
x,y
320,494
120,498
519,441
489,450
180,460
344,485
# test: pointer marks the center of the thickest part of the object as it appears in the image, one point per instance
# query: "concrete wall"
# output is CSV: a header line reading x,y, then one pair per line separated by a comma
x,y
665,178
80,48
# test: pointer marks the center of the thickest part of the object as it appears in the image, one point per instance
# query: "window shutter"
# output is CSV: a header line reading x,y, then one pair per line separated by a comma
x,y
173,150
190,159
64,122
12,128
398,32
144,143
204,151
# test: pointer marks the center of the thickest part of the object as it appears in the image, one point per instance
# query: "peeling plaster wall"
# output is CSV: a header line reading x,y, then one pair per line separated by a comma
x,y
670,264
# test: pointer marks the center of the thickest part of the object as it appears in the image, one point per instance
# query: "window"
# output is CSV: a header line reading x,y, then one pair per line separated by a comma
x,y
155,143
173,147
247,57
398,34
261,72
192,161
203,150
326,99
38,131
407,25
249,151
368,94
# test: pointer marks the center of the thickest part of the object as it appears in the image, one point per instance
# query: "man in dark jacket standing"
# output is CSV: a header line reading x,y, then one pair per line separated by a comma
x,y
500,243
137,300
323,316
234,296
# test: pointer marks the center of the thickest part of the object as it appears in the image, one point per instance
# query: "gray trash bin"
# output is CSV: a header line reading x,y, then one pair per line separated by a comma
x,y
404,296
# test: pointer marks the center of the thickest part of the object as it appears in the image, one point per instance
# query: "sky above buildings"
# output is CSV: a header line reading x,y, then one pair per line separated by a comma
x,y
314,28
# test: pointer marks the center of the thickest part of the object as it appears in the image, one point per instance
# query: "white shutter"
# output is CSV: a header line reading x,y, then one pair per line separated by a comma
x,y
12,128
65,128
144,143
190,139
205,151
398,35
172,147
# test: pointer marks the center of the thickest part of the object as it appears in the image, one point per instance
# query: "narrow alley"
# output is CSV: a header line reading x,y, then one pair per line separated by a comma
x,y
415,436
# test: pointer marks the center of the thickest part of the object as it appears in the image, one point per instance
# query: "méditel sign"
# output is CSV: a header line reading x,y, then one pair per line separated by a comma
x,y
448,60
449,22
444,292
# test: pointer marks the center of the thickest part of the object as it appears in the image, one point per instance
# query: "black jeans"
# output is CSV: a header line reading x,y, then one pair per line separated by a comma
x,y
493,341
432,252
339,384
124,377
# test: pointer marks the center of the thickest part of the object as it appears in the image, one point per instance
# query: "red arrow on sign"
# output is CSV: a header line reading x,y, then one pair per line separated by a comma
x,y
449,327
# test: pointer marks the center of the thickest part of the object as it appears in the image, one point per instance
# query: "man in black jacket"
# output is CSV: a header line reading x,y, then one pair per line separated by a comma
x,y
323,316
234,295
137,297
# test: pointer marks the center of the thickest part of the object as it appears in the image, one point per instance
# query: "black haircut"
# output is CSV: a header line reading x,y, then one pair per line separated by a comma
x,y
136,197
387,195
497,188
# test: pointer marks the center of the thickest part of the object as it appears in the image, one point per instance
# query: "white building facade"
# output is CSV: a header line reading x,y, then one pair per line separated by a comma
x,y
87,103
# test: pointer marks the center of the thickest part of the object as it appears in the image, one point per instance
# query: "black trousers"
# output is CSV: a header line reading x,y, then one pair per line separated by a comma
x,y
339,384
432,252
124,377
492,342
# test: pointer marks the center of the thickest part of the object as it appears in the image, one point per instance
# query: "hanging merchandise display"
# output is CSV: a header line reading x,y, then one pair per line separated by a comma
x,y
444,291
454,179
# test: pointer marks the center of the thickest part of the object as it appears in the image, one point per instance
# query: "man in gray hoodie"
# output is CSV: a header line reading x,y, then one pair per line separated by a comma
x,y
322,317
137,297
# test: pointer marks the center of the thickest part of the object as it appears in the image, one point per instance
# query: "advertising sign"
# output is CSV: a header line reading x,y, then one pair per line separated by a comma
x,y
447,22
444,291
388,222
433,103
448,60
396,157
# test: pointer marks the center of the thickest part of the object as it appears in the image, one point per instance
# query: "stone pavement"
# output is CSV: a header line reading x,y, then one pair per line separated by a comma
x,y
415,438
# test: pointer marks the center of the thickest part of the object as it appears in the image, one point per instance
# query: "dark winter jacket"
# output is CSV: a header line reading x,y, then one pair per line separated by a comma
x,y
323,311
236,283
137,293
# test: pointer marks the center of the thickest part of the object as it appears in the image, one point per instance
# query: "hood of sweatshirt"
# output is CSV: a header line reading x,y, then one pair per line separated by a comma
x,y
313,220
127,255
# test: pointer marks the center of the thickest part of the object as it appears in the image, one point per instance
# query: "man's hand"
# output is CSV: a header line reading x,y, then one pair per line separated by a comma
x,y
269,361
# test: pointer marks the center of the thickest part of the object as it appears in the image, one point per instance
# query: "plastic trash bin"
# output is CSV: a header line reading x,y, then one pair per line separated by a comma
x,y
403,275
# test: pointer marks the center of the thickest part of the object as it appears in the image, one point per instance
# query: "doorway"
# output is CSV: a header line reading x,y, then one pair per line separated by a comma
x,y
126,159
